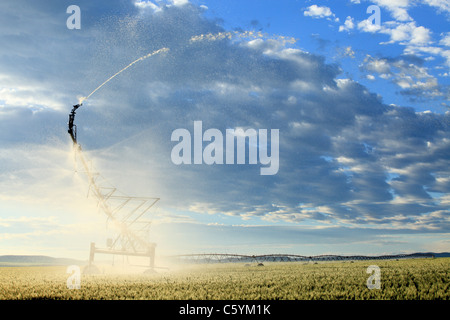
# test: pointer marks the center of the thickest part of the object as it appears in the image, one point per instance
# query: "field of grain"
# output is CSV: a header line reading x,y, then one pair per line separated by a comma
x,y
404,279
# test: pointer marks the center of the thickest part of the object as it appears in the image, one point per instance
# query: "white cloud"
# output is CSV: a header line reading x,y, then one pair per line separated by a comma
x,y
32,97
348,24
413,79
368,26
420,36
143,4
403,33
316,11
397,8
380,66
445,41
407,33
180,2
399,31
441,5
437,51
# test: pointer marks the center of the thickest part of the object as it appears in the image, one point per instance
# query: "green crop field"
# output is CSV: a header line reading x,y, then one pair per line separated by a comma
x,y
404,279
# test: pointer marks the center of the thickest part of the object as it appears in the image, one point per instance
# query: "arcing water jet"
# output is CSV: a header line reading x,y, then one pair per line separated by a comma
x,y
130,240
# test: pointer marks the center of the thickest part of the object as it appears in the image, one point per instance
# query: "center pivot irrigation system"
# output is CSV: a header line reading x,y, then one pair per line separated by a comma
x,y
228,257
125,213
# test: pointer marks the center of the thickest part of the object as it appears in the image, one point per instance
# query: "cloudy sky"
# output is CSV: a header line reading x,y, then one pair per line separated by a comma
x,y
361,105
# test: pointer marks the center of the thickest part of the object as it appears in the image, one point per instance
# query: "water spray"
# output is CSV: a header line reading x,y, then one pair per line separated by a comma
x,y
72,127
82,99
123,211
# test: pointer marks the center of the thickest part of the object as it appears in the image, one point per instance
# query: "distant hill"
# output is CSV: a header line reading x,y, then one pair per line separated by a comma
x,y
31,260
22,261
441,255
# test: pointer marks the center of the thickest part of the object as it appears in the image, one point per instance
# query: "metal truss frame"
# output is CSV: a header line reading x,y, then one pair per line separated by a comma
x,y
125,213
228,258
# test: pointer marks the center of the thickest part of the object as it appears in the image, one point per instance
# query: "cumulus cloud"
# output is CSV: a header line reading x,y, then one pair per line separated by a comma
x,y
445,41
348,24
417,41
156,7
407,33
409,74
147,4
441,5
316,11
399,32
397,8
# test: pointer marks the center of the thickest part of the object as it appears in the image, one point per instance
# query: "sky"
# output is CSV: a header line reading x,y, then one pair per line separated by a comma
x,y
360,102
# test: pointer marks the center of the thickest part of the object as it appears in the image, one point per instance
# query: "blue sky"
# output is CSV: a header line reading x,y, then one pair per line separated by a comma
x,y
362,110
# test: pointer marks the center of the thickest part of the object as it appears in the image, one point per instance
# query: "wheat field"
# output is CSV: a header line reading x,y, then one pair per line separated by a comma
x,y
408,279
